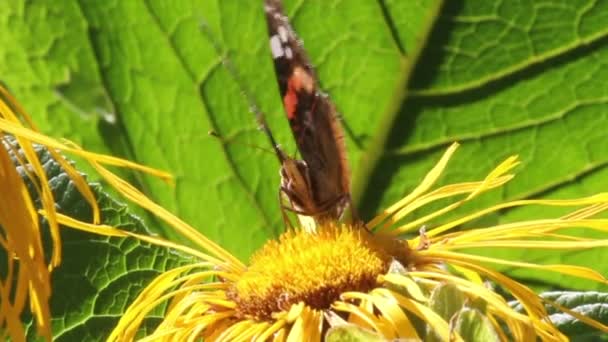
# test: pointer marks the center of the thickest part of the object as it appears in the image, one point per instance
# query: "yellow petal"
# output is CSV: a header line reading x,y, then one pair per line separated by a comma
x,y
426,184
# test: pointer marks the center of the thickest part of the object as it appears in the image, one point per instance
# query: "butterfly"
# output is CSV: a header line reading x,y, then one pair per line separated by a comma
x,y
318,185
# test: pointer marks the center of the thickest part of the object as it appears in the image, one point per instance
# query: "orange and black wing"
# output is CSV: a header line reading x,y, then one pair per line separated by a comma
x,y
312,117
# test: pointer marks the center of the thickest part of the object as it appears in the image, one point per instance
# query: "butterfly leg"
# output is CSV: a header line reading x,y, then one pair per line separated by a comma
x,y
284,208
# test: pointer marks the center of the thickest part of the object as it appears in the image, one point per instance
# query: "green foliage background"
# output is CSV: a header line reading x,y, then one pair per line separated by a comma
x,y
145,80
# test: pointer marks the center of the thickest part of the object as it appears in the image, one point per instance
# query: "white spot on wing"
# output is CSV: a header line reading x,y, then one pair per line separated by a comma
x,y
288,53
276,47
282,33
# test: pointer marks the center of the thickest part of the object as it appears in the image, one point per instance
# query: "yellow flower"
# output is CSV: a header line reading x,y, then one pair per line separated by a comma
x,y
305,284
298,287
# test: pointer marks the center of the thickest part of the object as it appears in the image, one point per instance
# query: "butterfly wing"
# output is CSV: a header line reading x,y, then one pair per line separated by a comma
x,y
312,117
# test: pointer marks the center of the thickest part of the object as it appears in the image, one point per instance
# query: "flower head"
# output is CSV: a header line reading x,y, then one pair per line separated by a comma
x,y
303,284
311,268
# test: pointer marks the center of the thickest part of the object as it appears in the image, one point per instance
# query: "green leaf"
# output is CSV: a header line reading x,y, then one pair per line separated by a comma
x,y
508,79
409,77
591,304
99,276
491,41
46,62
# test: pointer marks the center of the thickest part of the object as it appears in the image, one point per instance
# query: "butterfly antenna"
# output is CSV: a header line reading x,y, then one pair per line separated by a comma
x,y
260,117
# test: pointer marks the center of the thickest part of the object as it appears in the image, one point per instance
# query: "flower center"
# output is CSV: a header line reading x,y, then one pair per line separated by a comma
x,y
310,268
